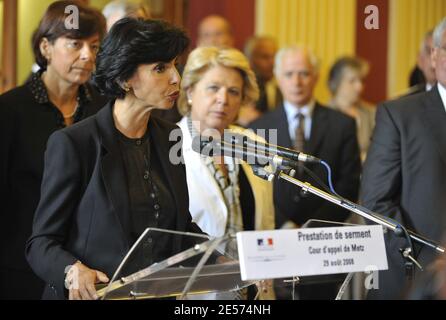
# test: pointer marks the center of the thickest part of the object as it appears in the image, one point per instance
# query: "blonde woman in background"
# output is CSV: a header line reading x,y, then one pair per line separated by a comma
x,y
224,196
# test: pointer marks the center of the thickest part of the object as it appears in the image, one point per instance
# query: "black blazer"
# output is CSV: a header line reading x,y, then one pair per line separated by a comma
x,y
333,139
84,213
405,176
25,125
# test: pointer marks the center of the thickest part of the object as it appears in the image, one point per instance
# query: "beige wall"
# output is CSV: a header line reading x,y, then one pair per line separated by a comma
x,y
409,20
326,26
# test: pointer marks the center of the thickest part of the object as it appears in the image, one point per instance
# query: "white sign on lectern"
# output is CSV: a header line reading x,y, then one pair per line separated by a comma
x,y
313,251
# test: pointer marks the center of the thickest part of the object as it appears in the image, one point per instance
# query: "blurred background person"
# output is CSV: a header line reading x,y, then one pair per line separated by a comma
x,y
424,64
118,9
225,197
346,84
416,77
260,52
214,30
55,97
109,178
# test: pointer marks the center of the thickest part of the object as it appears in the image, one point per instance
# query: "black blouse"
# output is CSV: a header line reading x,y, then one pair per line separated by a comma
x,y
151,203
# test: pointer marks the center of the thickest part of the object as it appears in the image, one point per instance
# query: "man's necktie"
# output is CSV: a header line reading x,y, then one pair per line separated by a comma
x,y
299,140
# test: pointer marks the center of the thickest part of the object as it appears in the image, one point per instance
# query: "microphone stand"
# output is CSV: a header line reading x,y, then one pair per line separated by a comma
x,y
275,170
271,172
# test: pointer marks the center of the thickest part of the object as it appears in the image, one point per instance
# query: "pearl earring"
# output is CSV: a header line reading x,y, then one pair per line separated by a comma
x,y
189,101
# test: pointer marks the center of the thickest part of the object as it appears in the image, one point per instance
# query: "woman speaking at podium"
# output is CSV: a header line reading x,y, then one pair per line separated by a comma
x,y
109,177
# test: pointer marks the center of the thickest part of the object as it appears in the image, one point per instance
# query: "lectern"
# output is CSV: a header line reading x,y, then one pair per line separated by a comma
x,y
208,266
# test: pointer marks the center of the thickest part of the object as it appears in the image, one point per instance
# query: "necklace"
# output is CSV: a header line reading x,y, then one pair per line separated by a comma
x,y
67,116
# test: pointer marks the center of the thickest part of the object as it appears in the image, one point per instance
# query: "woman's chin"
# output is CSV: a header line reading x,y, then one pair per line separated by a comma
x,y
79,81
218,125
78,78
164,106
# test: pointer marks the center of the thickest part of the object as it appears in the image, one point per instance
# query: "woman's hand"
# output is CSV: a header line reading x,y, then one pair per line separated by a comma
x,y
81,281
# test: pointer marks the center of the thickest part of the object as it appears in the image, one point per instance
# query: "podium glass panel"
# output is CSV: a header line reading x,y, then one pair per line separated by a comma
x,y
205,265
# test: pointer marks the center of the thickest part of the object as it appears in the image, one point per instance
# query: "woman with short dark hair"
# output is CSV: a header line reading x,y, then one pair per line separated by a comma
x,y
110,177
55,97
54,27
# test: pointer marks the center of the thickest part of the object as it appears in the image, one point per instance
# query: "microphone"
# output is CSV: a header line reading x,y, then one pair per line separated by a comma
x,y
245,141
212,147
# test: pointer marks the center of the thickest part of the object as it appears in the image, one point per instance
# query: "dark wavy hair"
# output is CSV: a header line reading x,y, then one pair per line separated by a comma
x,y
130,43
52,26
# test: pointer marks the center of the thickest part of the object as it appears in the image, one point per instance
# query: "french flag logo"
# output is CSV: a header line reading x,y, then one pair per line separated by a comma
x,y
264,243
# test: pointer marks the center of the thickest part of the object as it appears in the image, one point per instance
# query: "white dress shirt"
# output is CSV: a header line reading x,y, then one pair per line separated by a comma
x,y
291,114
442,91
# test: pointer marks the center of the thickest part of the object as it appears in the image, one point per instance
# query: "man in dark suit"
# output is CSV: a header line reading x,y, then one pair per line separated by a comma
x,y
405,173
304,124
